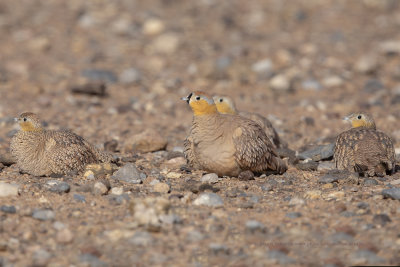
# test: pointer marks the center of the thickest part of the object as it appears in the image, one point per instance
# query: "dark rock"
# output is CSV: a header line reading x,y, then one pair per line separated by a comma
x,y
246,176
335,175
97,89
8,209
129,174
307,166
118,199
341,237
43,214
318,153
80,198
218,249
363,205
373,85
393,193
92,260
293,215
255,227
365,257
59,187
141,238
347,214
370,181
280,257
100,75
381,219
7,159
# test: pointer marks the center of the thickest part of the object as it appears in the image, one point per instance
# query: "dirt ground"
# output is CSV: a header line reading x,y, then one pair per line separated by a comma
x,y
302,64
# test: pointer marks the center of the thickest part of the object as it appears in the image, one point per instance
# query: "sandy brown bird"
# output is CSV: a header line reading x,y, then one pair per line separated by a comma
x,y
363,149
225,105
227,144
42,152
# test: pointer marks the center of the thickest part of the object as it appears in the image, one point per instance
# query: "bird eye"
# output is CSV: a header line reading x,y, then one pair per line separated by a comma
x,y
221,100
359,117
25,119
197,97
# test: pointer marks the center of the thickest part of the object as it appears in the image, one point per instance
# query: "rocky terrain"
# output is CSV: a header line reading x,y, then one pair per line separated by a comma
x,y
114,73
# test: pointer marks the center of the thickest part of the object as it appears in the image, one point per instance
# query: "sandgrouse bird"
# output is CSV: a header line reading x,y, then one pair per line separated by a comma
x,y
42,152
225,105
363,149
227,144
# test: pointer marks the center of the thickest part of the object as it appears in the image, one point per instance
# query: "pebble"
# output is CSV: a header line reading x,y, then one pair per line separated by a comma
x,y
263,67
194,236
161,188
8,209
128,173
100,189
64,236
149,140
218,249
313,194
335,175
166,43
280,83
92,88
43,214
381,219
170,219
79,198
367,64
175,163
393,193
92,260
280,257
293,215
147,212
41,257
59,187
363,256
117,191
141,238
390,47
326,166
118,199
318,153
100,75
211,178
209,199
341,237
373,86
153,26
311,85
253,226
307,166
370,181
174,175
296,201
130,76
363,205
332,81
8,190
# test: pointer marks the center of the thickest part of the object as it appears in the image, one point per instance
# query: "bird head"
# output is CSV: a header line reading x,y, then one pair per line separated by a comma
x,y
361,119
225,104
29,122
201,103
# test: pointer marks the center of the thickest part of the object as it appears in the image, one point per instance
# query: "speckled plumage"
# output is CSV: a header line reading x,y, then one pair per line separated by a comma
x,y
265,124
229,144
43,152
364,149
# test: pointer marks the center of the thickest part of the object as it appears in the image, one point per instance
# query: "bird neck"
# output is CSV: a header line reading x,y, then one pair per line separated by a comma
x,y
205,110
226,109
369,125
29,127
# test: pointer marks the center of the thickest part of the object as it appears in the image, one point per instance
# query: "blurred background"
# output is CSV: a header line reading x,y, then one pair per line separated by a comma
x,y
109,69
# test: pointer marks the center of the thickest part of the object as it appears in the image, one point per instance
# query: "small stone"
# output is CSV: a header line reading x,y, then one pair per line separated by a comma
x,y
149,140
89,175
174,175
381,219
99,75
318,153
336,175
253,227
293,215
41,257
336,195
147,212
363,205
79,198
218,249
280,83
393,193
64,236
100,170
367,64
170,219
373,86
211,178
100,189
6,158
194,236
118,199
8,209
141,238
92,260
111,145
365,257
332,81
370,181
326,166
93,88
166,43
128,173
117,191
161,188
311,85
43,214
296,201
307,166
341,237
263,67
390,47
246,176
56,186
313,194
153,26
175,163
280,257
209,199
130,76
327,186
8,190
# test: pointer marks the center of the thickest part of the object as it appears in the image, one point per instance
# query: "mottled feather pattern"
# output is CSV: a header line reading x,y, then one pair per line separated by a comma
x,y
364,150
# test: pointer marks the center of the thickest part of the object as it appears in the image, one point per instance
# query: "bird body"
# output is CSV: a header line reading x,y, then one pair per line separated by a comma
x,y
43,152
363,148
227,144
225,105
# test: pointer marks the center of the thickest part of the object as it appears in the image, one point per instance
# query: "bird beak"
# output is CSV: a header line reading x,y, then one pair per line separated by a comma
x,y
16,119
347,118
187,98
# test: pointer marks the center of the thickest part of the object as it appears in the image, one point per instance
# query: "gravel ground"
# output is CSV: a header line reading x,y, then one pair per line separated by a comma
x,y
114,72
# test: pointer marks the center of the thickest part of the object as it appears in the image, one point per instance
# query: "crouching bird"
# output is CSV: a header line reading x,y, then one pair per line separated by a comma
x,y
364,149
227,144
42,152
